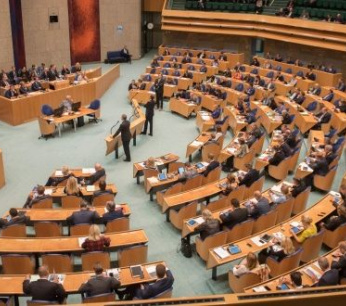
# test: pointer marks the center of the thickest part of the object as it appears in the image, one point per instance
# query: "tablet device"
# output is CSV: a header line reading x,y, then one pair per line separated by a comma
x,y
266,237
234,249
181,170
295,229
284,287
162,176
191,222
199,165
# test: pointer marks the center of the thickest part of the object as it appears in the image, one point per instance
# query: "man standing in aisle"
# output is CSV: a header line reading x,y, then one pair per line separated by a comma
x,y
159,86
149,115
124,129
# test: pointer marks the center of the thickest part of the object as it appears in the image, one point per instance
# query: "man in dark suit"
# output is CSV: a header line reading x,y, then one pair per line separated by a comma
x,y
297,188
323,117
329,96
222,57
112,213
84,215
259,208
330,277
320,165
43,289
149,115
52,73
125,53
35,198
11,92
278,156
329,154
124,129
14,218
159,88
212,164
340,264
250,177
36,85
100,172
235,215
99,284
164,282
286,118
102,189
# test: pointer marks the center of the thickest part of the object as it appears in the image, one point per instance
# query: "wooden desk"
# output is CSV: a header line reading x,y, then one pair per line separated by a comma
x,y
59,84
27,108
236,121
13,284
2,171
183,107
204,121
136,126
197,144
60,215
67,244
269,119
161,162
324,206
183,83
58,121
77,172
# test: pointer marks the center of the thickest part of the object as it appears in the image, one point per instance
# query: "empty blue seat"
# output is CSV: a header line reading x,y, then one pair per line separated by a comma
x,y
47,110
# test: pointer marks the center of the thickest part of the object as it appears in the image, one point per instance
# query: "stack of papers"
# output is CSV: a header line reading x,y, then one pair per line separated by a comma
x,y
279,236
309,271
205,117
196,143
61,278
304,166
260,289
151,271
88,171
81,240
58,173
257,240
232,150
153,179
199,220
48,191
113,273
90,188
221,253
276,188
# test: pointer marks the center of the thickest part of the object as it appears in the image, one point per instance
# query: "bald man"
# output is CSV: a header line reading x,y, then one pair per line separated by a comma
x,y
100,172
124,129
67,104
43,289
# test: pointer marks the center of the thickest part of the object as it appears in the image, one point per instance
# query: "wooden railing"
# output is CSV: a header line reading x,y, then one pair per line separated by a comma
x,y
318,34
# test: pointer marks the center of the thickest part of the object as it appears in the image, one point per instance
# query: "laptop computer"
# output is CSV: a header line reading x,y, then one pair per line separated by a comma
x,y
76,106
58,111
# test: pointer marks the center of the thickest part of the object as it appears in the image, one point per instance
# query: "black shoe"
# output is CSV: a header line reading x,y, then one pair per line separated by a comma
x,y
127,160
150,134
143,133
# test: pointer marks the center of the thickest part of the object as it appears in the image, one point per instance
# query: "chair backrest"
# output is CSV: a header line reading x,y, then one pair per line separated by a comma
x,y
70,202
193,183
332,238
39,303
239,87
172,167
149,173
294,159
17,264
300,201
284,210
212,241
60,263
238,193
176,188
213,148
118,225
165,294
46,127
91,258
47,229
312,246
46,110
280,171
186,212
101,200
135,255
257,185
95,104
218,204
46,203
258,145
240,230
325,182
79,229
224,125
212,176
106,297
265,221
238,283
288,263
312,106
16,230
240,162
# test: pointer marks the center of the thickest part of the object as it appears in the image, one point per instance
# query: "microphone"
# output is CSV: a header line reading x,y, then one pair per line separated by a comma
x,y
111,130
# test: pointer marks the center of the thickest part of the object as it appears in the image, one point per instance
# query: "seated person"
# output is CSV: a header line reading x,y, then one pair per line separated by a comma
x,y
319,164
100,172
280,77
95,242
85,215
309,229
315,90
234,215
43,289
232,184
54,181
190,172
132,85
99,284
13,218
300,97
67,104
249,116
210,225
278,250
329,155
141,84
23,90
36,85
333,222
310,75
212,139
71,188
271,85
298,187
290,138
280,108
329,96
203,68
278,156
286,118
241,150
35,197
294,280
216,113
259,206
65,70
340,107
322,117
293,81
102,189
213,164
341,86
255,62
330,277
11,93
339,261
251,176
248,264
112,213
278,198
163,283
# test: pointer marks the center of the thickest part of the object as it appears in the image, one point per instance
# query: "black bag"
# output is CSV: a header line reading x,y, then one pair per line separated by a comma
x,y
185,248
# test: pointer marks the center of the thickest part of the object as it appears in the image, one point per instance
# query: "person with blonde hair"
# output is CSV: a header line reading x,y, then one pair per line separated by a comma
x,y
210,225
310,229
278,250
95,241
71,188
248,264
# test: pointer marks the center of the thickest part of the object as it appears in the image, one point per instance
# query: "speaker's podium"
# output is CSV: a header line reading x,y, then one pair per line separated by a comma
x,y
136,127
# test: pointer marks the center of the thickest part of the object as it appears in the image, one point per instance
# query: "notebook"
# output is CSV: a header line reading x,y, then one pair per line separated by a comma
x,y
90,188
113,273
136,271
221,252
151,271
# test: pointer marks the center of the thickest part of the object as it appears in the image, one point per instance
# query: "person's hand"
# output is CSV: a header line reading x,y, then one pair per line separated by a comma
x,y
55,279
27,277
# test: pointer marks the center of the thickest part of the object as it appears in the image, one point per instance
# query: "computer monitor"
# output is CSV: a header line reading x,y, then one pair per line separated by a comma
x,y
76,106
58,111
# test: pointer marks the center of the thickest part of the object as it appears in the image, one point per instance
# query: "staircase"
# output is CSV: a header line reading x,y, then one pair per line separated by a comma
x,y
178,4
275,6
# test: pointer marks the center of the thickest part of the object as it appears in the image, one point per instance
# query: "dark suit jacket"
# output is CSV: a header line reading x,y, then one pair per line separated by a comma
x,y
51,75
285,148
340,265
329,278
278,157
320,167
95,177
20,219
326,117
109,216
250,177
35,86
45,290
83,216
124,129
208,228
230,219
262,207
10,94
99,285
159,86
98,193
149,109
330,157
38,199
161,285
296,190
214,164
